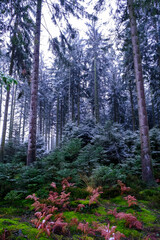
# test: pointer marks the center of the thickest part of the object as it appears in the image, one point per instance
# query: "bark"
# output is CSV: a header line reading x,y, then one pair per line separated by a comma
x,y
78,104
20,124
69,96
0,104
40,118
13,104
96,103
57,123
24,119
153,110
73,113
147,173
132,106
6,110
31,156
61,121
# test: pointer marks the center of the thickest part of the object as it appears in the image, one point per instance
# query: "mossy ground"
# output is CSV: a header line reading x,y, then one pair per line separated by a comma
x,y
15,218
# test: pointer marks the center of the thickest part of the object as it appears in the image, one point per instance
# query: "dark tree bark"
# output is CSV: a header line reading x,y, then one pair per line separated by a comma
x,y
132,106
78,104
96,102
24,119
57,123
13,103
6,110
61,120
147,173
31,156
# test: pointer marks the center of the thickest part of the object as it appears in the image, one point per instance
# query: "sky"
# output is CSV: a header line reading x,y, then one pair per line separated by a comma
x,y
48,29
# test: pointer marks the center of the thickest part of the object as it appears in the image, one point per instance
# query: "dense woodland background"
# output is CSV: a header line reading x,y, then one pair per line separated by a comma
x,y
87,103
80,119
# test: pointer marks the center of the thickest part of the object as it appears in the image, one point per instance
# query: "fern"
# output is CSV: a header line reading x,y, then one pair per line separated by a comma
x,y
131,200
123,187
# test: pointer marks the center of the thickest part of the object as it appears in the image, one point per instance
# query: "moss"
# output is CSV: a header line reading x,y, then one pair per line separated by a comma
x,y
119,201
100,210
121,227
128,232
80,216
147,217
23,229
152,194
87,208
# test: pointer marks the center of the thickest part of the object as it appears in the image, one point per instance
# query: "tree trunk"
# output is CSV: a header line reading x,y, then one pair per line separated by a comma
x,y
96,103
0,104
20,124
78,104
73,113
40,118
6,110
132,106
61,121
13,103
24,119
153,110
147,173
57,123
69,96
31,156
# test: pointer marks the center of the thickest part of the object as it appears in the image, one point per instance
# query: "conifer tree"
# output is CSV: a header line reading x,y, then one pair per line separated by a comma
x,y
147,173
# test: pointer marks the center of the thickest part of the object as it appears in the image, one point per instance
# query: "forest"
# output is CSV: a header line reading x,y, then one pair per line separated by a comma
x,y
80,119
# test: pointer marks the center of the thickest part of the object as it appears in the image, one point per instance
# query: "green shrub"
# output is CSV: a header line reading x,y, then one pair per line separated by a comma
x,y
108,175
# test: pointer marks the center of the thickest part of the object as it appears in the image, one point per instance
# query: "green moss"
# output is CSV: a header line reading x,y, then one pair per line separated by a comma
x,y
147,217
119,201
121,227
80,216
8,211
13,225
128,232
101,210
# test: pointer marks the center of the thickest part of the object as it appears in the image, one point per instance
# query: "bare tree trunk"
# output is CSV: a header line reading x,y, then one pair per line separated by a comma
x,y
6,110
78,104
24,119
132,106
20,124
61,121
69,96
40,118
96,102
57,123
73,113
0,104
147,173
153,110
31,156
13,103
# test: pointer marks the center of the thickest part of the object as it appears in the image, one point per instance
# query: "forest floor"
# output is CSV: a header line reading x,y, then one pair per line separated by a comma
x,y
15,218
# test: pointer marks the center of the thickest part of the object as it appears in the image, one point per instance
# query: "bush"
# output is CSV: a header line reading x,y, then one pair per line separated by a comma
x,y
8,176
108,175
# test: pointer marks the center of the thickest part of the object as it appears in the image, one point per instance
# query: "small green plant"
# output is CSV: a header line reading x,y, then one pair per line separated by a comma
x,y
13,196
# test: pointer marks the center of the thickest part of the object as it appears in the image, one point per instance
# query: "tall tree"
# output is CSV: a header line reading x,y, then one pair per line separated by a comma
x,y
147,173
20,27
31,155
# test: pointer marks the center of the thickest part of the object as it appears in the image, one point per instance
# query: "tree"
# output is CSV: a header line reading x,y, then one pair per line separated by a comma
x,y
20,28
147,173
31,155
